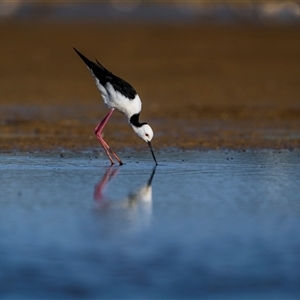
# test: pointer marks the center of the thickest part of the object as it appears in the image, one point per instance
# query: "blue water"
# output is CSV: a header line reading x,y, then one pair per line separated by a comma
x,y
203,224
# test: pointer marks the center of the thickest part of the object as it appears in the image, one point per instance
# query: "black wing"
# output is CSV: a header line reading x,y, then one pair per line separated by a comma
x,y
105,76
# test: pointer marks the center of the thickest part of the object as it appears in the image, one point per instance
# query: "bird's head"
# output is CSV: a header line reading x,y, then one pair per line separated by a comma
x,y
145,132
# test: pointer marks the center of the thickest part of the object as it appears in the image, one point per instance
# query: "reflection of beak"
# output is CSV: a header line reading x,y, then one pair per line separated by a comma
x,y
149,144
151,177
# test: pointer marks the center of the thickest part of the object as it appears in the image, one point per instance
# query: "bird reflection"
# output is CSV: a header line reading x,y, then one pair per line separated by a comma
x,y
110,173
137,204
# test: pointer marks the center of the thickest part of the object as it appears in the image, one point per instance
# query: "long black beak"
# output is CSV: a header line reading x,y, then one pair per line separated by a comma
x,y
149,144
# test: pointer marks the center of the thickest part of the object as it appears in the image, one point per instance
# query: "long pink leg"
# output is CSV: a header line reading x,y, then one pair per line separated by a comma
x,y
98,130
113,153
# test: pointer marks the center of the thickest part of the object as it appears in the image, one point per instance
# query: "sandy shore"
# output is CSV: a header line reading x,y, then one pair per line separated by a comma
x,y
201,86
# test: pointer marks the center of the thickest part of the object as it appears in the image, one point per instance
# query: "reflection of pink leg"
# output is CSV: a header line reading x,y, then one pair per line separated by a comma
x,y
99,188
98,131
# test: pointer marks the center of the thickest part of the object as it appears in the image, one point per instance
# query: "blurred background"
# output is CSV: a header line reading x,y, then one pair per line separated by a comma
x,y
152,11
215,73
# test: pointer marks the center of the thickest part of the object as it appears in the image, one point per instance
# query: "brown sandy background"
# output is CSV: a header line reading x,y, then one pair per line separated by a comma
x,y
202,86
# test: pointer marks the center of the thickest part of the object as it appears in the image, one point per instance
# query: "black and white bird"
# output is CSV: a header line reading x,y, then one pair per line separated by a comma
x,y
118,95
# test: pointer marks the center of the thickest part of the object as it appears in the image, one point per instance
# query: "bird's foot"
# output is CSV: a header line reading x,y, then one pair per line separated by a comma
x,y
112,163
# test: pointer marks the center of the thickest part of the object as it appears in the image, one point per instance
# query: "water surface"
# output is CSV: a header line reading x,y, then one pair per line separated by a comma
x,y
211,224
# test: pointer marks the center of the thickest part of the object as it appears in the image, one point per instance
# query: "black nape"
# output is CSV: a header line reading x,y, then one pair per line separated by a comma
x,y
134,120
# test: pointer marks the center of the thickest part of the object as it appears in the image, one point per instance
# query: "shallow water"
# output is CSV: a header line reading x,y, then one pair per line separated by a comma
x,y
211,224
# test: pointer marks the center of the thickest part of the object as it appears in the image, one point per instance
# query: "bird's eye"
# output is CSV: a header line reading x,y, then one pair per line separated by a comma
x,y
147,135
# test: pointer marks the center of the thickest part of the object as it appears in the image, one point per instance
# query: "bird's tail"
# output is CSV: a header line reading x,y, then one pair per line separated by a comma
x,y
90,64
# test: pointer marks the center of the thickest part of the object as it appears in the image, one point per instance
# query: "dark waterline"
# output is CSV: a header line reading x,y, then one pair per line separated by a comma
x,y
213,224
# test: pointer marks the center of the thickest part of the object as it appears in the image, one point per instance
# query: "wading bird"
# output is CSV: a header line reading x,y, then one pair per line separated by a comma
x,y
118,95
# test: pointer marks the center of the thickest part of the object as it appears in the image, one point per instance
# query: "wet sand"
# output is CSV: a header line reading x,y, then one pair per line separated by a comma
x,y
202,86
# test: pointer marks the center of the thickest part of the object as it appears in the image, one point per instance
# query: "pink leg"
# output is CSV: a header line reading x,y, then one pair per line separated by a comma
x,y
98,131
112,152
